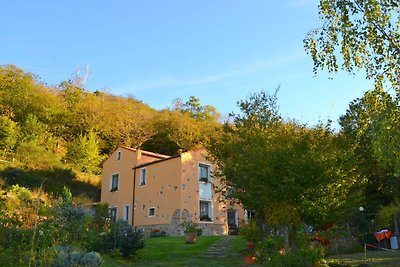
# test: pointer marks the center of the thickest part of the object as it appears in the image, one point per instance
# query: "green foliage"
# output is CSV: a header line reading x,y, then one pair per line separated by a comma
x,y
8,134
122,238
293,171
189,227
366,33
69,256
387,213
369,129
84,152
52,181
304,258
250,231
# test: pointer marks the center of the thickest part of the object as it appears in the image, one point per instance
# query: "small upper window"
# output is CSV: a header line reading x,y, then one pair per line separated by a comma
x,y
114,182
118,155
143,176
204,173
152,211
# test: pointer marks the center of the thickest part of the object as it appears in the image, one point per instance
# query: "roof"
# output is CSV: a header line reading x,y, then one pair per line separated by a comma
x,y
147,153
156,161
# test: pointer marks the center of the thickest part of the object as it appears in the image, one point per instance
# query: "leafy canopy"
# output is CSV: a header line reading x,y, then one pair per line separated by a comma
x,y
366,33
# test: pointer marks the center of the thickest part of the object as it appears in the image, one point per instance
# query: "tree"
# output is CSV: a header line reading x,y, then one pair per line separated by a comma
x,y
8,134
370,130
365,32
286,172
84,152
185,126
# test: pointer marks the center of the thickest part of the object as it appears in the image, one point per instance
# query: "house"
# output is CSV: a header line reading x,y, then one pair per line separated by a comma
x,y
155,191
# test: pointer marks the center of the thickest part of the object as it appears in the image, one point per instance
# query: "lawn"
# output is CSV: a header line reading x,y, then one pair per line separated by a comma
x,y
172,251
373,259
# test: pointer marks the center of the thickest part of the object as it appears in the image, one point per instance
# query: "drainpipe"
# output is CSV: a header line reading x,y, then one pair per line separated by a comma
x,y
133,196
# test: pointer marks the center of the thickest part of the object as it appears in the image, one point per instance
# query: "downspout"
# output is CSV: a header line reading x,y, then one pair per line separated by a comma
x,y
133,196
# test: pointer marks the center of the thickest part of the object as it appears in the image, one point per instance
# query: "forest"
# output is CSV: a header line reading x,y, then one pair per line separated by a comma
x,y
59,135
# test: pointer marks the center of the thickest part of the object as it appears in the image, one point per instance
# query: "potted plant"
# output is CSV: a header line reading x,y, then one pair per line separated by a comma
x,y
251,233
190,232
249,259
205,218
203,179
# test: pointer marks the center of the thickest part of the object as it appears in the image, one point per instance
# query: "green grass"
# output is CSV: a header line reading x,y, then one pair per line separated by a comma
x,y
172,251
374,258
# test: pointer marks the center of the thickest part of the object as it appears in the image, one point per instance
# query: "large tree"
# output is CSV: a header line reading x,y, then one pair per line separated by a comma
x,y
286,172
370,126
365,32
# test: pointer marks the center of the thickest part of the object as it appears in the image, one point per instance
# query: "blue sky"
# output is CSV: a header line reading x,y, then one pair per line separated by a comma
x,y
219,51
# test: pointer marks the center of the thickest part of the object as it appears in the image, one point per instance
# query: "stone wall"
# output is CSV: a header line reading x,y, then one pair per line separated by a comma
x,y
175,228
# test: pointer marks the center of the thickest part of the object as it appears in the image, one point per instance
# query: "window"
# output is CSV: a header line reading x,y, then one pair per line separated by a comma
x,y
118,155
204,173
205,211
126,212
114,182
229,192
143,176
152,211
113,214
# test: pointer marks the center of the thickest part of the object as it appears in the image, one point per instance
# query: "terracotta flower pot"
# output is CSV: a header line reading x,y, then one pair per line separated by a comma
x,y
190,237
249,259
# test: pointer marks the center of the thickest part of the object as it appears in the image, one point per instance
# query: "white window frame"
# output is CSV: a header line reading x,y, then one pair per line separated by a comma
x,y
127,211
143,177
116,213
208,166
152,208
111,182
119,154
210,210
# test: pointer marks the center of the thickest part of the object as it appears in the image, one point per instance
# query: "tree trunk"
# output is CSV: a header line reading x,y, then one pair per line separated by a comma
x,y
286,237
261,227
294,239
396,226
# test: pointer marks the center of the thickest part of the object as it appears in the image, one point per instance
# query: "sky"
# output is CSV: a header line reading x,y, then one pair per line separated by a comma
x,y
157,51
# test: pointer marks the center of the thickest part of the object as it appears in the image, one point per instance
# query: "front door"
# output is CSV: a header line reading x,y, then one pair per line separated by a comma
x,y
232,222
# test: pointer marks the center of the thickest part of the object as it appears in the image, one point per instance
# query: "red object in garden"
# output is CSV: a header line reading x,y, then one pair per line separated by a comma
x,y
190,237
321,240
249,259
388,234
382,235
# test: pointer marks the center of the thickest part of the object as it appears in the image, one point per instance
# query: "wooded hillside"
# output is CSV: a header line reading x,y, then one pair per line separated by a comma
x,y
59,135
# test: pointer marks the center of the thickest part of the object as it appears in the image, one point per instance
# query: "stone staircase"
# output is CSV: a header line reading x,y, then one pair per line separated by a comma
x,y
220,248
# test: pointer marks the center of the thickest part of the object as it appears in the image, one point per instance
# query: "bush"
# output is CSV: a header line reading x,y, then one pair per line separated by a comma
x,y
70,256
127,239
199,231
122,238
250,231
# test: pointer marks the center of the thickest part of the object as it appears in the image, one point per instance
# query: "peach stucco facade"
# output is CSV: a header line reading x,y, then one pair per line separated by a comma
x,y
154,191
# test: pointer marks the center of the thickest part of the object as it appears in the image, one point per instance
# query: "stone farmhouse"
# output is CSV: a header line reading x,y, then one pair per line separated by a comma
x,y
154,191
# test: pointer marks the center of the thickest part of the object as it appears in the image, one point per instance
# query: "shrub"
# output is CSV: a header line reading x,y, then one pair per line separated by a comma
x,y
70,256
250,231
199,231
122,238
189,227
128,241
